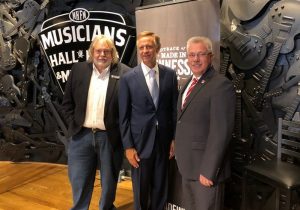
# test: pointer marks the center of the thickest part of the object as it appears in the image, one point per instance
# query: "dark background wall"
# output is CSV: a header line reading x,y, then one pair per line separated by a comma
x,y
29,125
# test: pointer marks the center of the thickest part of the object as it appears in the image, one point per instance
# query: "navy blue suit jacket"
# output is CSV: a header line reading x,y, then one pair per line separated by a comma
x,y
138,115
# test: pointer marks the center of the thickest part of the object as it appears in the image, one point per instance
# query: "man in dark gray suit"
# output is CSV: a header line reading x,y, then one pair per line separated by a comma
x,y
148,98
90,109
205,121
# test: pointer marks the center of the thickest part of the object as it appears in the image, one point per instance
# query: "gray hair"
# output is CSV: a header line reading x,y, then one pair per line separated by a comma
x,y
109,42
200,39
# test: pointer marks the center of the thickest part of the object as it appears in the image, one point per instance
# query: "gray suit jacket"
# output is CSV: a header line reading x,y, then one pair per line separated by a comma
x,y
204,128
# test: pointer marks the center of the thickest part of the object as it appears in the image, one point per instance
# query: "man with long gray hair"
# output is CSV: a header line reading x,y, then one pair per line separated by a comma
x,y
90,108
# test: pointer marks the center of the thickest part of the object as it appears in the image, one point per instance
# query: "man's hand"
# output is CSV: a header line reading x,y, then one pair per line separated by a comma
x,y
206,182
132,157
172,149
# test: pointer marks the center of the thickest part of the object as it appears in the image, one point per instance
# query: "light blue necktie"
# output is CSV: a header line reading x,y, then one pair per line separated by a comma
x,y
154,91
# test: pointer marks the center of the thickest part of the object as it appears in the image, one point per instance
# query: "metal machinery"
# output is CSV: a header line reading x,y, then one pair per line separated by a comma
x,y
261,54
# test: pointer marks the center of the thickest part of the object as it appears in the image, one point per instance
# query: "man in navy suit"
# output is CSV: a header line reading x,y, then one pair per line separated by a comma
x,y
205,121
90,109
148,98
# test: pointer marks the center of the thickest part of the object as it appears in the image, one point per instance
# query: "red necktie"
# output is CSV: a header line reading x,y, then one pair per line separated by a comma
x,y
194,82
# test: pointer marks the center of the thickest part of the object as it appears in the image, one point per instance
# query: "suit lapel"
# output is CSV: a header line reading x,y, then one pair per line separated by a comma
x,y
142,81
200,84
87,79
179,104
111,87
162,77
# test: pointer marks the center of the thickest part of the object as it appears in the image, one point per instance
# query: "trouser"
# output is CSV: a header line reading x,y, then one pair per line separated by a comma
x,y
87,151
198,197
150,181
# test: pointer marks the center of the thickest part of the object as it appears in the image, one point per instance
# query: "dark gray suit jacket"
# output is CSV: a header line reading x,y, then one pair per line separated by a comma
x,y
204,128
138,115
75,100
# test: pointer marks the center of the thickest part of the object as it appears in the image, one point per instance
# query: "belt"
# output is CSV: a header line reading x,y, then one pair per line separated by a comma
x,y
95,130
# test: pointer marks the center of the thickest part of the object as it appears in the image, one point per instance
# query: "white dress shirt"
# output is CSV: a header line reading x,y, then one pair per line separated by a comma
x,y
94,116
146,71
186,89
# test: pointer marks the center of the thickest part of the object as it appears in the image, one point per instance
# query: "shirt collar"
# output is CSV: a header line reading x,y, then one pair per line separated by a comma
x,y
204,74
146,69
104,73
196,77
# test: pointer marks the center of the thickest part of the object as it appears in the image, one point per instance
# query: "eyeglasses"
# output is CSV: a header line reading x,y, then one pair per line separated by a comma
x,y
105,52
199,54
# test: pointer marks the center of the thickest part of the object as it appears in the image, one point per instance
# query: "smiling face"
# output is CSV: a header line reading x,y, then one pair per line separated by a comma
x,y
102,55
148,50
199,58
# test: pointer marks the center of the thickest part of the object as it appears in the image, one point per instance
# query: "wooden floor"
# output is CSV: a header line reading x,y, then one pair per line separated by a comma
x,y
45,186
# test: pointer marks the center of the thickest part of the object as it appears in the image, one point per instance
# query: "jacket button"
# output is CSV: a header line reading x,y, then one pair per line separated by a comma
x,y
178,122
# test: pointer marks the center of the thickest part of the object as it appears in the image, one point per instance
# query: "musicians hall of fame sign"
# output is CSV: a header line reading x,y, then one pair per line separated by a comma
x,y
65,38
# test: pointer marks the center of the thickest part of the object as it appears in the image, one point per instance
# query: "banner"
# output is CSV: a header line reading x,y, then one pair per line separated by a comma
x,y
66,38
175,23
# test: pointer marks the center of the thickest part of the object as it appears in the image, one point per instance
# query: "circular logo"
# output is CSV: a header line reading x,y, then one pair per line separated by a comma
x,y
79,15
